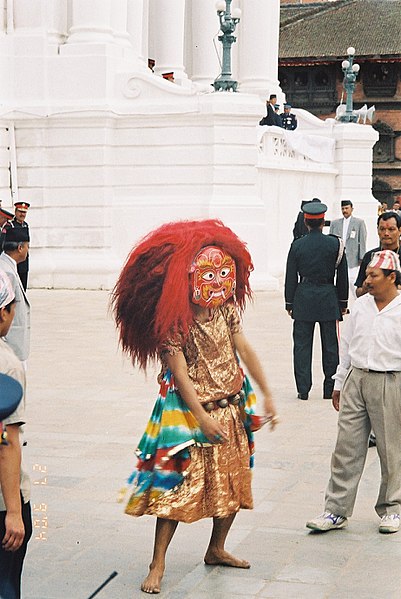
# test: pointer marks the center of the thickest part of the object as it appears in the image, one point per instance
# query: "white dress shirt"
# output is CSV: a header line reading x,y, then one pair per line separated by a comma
x,y
346,222
370,338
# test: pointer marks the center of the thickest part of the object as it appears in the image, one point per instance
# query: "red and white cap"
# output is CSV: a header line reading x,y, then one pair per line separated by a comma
x,y
386,259
22,206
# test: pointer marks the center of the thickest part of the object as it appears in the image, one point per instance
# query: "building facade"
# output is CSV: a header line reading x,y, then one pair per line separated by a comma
x,y
314,37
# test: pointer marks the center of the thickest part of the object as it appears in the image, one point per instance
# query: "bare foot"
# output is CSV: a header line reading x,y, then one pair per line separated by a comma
x,y
151,584
224,558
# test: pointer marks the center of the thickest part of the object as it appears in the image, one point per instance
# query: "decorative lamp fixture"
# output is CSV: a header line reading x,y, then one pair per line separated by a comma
x,y
350,71
228,24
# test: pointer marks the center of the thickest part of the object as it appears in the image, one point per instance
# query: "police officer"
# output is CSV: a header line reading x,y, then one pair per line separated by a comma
x,y
316,290
5,217
21,209
288,120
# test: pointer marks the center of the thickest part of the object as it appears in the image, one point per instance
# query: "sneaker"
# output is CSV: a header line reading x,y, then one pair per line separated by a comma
x,y
372,440
327,521
389,523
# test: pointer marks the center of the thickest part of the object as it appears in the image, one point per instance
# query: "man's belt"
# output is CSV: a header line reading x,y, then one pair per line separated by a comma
x,y
223,403
317,281
378,371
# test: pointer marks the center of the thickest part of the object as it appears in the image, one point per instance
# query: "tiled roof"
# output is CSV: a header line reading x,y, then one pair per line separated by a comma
x,y
327,29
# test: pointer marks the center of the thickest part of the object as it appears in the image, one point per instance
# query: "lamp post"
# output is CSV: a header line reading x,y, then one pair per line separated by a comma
x,y
350,71
228,23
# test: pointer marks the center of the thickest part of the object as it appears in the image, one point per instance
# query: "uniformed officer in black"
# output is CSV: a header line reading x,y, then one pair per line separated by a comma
x,y
288,120
21,208
5,217
316,290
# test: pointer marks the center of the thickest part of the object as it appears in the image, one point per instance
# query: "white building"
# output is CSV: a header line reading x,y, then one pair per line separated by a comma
x,y
105,150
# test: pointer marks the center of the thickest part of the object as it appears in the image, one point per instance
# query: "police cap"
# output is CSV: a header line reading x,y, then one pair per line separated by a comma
x,y
6,213
22,206
10,395
314,210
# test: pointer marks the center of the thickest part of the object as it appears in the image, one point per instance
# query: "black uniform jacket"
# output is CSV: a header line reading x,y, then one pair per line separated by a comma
x,y
22,267
315,290
289,121
271,117
300,229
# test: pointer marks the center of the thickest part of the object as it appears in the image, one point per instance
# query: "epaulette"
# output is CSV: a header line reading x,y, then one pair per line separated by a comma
x,y
341,248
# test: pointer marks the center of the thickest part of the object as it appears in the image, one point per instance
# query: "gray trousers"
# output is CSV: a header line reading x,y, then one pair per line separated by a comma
x,y
368,400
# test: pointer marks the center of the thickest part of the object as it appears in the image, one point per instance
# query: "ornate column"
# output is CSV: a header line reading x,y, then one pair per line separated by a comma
x,y
205,25
119,23
56,11
3,15
47,18
137,25
90,25
28,15
258,38
167,19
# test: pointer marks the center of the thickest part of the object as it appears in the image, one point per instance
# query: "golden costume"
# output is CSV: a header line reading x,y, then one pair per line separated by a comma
x,y
214,479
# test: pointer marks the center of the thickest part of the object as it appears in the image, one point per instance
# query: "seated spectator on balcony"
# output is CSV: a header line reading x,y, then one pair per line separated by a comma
x,y
271,117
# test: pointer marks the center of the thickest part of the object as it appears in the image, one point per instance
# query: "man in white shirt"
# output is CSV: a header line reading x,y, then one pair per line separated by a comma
x,y
16,248
367,395
352,231
15,509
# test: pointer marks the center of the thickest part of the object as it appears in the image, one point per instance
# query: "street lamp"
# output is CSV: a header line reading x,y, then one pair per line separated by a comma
x,y
350,71
228,23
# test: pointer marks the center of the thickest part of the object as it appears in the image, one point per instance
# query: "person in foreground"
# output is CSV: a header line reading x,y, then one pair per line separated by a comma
x,y
178,298
15,509
367,394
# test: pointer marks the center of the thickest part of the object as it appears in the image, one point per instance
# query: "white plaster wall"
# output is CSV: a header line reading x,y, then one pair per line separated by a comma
x,y
98,183
5,189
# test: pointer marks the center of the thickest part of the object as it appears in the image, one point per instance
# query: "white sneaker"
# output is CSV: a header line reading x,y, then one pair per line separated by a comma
x,y
389,523
327,521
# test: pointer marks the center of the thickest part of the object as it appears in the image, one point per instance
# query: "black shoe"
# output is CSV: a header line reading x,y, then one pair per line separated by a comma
x,y
372,440
303,395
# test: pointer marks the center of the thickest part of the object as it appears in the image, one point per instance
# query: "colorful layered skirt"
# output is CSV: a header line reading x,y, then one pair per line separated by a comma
x,y
180,475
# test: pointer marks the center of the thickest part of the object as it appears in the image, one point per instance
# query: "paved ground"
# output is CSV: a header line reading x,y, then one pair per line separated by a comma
x,y
87,410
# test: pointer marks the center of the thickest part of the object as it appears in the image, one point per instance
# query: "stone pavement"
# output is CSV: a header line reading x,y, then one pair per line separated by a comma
x,y
87,410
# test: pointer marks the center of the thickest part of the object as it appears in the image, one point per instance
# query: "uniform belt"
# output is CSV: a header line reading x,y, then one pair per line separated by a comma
x,y
223,403
316,281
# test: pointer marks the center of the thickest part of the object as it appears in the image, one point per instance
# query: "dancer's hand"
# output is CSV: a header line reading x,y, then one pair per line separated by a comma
x,y
213,430
270,411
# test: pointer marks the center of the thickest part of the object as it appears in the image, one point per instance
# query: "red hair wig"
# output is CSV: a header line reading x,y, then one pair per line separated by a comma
x,y
151,299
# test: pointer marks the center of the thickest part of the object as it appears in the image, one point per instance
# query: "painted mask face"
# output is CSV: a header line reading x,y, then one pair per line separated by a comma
x,y
212,277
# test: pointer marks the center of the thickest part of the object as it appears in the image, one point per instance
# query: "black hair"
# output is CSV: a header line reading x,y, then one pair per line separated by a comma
x,y
11,246
272,96
8,306
388,215
387,272
314,223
